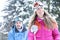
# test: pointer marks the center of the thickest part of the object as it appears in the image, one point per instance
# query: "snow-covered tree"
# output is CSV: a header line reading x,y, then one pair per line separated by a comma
x,y
17,8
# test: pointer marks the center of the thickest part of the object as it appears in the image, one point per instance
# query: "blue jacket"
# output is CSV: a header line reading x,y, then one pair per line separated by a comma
x,y
13,35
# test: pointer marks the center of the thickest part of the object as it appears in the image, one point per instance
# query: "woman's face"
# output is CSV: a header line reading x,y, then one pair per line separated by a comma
x,y
40,11
18,24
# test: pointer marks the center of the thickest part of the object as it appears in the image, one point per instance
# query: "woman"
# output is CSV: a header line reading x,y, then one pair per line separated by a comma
x,y
18,31
42,26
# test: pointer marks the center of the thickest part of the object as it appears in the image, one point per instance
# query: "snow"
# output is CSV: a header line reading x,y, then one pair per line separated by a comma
x,y
3,14
26,20
1,19
23,13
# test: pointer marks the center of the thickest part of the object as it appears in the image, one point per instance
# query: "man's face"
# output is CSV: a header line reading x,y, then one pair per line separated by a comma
x,y
18,24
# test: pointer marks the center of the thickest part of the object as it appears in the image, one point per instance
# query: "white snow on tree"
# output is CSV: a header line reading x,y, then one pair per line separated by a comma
x,y
20,8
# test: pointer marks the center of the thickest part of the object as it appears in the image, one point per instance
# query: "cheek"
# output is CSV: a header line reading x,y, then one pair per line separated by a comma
x,y
41,10
18,26
40,13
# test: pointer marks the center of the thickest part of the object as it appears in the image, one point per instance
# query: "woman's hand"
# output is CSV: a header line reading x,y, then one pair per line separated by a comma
x,y
34,29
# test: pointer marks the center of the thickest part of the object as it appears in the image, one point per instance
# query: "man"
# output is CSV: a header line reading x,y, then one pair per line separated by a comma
x,y
18,31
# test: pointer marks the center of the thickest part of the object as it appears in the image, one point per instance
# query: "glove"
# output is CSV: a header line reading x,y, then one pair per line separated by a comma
x,y
34,29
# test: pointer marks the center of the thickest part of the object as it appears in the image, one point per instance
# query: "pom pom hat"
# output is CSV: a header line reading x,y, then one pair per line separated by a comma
x,y
38,5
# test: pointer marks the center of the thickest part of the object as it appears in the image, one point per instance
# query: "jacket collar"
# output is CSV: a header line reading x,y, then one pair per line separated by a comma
x,y
39,19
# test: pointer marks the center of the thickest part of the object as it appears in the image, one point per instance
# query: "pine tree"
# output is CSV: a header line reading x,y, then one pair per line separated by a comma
x,y
20,8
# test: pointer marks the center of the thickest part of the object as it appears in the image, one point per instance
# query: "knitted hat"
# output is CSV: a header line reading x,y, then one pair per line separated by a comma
x,y
18,19
38,3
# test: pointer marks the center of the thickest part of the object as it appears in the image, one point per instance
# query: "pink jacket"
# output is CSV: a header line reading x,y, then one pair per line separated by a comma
x,y
44,34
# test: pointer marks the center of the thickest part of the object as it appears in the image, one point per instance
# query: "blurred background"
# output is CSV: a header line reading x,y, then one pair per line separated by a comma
x,y
9,9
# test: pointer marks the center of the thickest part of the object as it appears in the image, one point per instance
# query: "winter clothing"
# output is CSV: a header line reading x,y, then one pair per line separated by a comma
x,y
14,34
38,3
18,19
34,28
43,32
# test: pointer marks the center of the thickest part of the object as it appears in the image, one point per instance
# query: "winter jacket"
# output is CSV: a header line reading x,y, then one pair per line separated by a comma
x,y
16,35
43,33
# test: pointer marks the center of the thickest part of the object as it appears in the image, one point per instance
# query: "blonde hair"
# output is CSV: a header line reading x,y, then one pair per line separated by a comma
x,y
49,21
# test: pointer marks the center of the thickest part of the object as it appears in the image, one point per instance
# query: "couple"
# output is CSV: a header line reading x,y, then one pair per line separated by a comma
x,y
40,27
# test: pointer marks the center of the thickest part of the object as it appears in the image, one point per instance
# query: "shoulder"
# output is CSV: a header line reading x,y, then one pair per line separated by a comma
x,y
11,31
24,28
26,31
